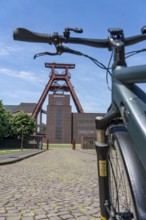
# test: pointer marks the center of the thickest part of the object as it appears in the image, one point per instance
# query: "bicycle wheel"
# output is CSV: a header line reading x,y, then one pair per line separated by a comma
x,y
121,204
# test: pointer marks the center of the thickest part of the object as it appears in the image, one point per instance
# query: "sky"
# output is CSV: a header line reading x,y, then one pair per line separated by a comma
x,y
23,79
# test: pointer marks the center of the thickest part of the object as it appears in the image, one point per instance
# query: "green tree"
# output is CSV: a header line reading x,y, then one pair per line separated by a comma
x,y
5,122
22,126
23,123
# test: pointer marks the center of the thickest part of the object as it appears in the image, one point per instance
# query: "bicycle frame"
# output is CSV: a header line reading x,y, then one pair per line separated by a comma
x,y
130,101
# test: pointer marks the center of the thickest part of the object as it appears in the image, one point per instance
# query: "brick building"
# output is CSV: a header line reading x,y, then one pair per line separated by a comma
x,y
83,125
58,128
25,107
63,126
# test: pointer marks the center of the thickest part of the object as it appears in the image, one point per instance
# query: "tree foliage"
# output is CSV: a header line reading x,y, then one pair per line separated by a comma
x,y
14,125
5,121
22,123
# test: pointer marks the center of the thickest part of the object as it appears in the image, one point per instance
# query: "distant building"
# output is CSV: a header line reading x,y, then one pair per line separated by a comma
x,y
10,107
63,126
58,129
83,125
25,107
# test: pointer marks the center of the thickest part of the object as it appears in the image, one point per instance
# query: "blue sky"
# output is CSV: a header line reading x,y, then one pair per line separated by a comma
x,y
23,79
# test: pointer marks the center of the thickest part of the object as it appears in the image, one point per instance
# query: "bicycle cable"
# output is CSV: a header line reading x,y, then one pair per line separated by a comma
x,y
102,66
132,53
61,49
107,73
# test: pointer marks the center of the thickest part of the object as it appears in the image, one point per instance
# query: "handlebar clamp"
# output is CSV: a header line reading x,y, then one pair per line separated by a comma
x,y
67,31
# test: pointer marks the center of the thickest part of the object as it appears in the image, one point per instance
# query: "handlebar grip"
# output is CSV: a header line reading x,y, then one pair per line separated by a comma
x,y
23,34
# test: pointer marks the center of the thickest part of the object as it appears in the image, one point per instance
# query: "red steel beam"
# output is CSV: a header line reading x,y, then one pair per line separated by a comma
x,y
49,86
59,65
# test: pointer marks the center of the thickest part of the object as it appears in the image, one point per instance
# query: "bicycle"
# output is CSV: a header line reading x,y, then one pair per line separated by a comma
x,y
121,133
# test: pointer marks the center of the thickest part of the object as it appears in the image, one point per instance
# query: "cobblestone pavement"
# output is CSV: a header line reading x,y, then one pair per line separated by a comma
x,y
57,184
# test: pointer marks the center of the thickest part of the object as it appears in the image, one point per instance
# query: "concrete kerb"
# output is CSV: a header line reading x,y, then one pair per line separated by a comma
x,y
9,159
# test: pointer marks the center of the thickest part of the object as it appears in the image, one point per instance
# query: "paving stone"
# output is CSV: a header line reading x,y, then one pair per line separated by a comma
x,y
77,214
64,213
40,217
55,218
58,184
50,215
66,216
2,210
13,218
45,218
84,218
27,218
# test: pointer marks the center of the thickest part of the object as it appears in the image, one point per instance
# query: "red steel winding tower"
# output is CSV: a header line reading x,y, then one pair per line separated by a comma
x,y
53,85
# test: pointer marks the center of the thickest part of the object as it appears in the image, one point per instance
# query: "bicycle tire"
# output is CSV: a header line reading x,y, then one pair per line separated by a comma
x,y
121,204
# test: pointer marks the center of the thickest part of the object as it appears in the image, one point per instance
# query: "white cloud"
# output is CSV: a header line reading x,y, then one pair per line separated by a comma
x,y
29,76
6,50
3,52
18,96
25,75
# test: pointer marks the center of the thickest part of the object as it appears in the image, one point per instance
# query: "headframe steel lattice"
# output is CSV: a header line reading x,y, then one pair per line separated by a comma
x,y
51,86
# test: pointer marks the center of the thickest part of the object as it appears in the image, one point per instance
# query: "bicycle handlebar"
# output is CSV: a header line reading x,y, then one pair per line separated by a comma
x,y
23,34
26,35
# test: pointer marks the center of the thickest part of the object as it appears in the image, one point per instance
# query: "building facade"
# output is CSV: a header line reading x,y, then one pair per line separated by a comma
x,y
83,125
63,126
24,107
58,128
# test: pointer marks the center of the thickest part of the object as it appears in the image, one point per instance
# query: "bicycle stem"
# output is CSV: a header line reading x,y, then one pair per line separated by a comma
x,y
119,52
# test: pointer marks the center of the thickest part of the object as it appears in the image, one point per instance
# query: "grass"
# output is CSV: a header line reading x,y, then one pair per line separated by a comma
x,y
61,146
11,151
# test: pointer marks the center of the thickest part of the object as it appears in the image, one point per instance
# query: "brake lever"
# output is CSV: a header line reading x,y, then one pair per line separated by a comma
x,y
59,50
44,53
68,50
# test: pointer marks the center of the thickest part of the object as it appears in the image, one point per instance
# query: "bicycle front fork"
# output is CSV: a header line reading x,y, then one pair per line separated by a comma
x,y
102,166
